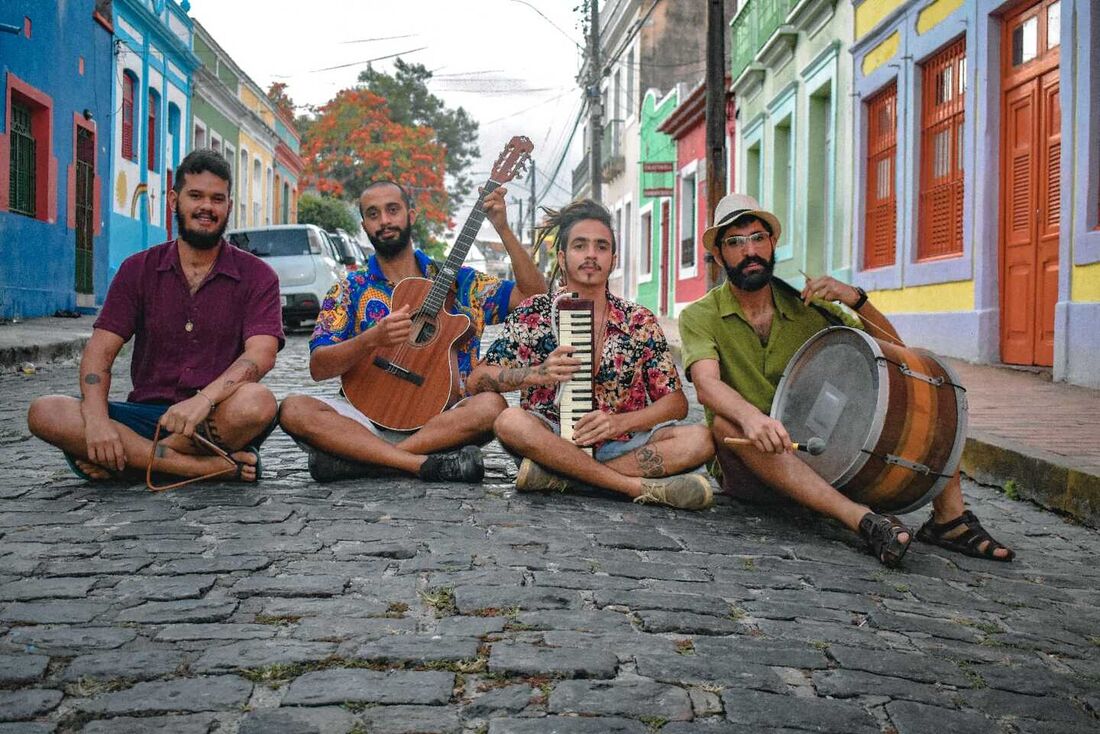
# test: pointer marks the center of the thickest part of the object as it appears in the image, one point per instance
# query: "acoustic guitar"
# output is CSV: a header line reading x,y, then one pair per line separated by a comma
x,y
401,387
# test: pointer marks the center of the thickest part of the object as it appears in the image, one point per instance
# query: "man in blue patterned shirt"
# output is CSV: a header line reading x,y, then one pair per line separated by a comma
x,y
356,318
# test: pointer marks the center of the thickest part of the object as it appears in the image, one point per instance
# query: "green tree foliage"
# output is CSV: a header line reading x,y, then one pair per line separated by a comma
x,y
326,212
410,103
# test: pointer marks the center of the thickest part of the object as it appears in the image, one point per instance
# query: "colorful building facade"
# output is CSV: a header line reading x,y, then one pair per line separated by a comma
x,y
55,118
656,224
153,66
791,74
977,181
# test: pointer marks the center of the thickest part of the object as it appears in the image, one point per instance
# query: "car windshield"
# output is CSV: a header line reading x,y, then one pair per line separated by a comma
x,y
272,242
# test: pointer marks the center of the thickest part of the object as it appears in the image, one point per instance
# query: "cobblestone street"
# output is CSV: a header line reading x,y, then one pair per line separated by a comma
x,y
400,606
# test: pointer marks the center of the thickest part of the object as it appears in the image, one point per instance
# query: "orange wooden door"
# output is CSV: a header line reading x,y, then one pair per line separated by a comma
x,y
1031,180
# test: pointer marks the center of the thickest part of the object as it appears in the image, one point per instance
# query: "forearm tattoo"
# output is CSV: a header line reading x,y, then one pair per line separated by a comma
x,y
650,461
251,372
508,378
91,379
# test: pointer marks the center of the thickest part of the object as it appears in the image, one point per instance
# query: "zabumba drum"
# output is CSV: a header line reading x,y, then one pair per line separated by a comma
x,y
893,418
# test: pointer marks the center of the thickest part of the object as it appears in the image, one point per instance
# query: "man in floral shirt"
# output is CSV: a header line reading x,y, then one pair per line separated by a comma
x,y
356,318
638,448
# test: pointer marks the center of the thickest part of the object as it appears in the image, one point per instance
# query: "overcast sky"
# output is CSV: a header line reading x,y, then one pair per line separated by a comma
x,y
510,63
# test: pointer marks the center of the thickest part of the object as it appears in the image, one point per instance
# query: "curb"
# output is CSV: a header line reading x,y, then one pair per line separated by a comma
x,y
14,356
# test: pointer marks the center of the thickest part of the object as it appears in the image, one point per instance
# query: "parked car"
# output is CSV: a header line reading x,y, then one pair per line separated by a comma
x,y
352,256
307,262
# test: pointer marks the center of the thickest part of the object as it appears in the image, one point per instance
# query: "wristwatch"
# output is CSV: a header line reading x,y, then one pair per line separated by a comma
x,y
861,300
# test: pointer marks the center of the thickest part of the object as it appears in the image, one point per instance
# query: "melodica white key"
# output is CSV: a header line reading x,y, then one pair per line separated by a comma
x,y
575,328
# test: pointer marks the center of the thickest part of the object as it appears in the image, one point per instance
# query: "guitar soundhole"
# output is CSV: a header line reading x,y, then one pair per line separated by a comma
x,y
426,333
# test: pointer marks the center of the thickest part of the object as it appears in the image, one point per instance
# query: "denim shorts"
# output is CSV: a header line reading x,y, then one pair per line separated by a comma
x,y
610,449
141,418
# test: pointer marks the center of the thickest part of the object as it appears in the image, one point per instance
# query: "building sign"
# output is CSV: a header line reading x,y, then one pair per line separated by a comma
x,y
657,191
657,167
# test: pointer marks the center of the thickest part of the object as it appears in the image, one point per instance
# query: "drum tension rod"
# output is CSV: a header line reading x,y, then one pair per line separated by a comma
x,y
904,369
895,460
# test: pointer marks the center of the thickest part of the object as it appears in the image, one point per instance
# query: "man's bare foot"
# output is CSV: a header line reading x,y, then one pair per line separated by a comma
x,y
247,462
94,471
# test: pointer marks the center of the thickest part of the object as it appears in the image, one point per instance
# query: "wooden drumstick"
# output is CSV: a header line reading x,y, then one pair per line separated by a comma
x,y
814,447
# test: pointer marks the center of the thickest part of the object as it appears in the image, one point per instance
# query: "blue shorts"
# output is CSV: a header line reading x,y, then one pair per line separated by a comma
x,y
611,449
141,418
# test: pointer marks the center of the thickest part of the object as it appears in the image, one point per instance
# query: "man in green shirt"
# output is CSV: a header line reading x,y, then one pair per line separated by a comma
x,y
737,341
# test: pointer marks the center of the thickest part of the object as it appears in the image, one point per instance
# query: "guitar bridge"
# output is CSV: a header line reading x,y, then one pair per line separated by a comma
x,y
398,371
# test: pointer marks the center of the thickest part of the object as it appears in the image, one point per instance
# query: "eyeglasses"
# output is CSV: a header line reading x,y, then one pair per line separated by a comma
x,y
738,241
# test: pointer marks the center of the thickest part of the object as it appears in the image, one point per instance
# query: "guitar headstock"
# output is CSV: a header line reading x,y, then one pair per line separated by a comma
x,y
512,161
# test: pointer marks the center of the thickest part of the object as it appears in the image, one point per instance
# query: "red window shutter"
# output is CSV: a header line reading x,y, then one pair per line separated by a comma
x,y
127,117
152,130
881,223
941,176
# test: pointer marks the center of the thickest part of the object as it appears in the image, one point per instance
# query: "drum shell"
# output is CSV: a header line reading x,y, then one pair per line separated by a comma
x,y
919,420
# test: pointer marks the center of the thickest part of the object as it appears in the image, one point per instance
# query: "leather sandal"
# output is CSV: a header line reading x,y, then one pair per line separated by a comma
x,y
969,542
881,532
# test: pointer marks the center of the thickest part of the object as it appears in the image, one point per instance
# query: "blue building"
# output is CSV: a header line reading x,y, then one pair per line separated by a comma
x,y
151,90
55,148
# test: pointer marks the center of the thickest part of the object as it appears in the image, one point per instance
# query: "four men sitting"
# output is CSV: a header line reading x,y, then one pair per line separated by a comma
x,y
207,325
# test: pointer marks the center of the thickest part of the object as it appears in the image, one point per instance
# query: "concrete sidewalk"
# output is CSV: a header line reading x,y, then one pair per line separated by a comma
x,y
1036,439
42,340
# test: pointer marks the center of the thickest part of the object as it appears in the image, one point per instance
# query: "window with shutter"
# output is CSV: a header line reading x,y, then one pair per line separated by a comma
x,y
880,241
128,82
941,177
154,111
21,194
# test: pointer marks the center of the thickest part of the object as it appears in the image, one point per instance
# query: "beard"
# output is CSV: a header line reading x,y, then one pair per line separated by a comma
x,y
388,248
199,240
752,281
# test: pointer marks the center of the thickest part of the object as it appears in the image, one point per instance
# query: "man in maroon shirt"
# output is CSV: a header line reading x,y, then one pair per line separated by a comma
x,y
206,321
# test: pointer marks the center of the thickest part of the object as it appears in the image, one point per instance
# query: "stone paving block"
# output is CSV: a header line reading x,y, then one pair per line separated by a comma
x,y
568,725
624,644
216,631
27,703
340,685
573,580
46,588
517,658
1041,708
492,576
52,612
27,727
264,515
419,649
699,669
292,720
498,701
853,683
578,620
902,665
22,668
136,665
411,720
69,640
636,600
382,549
183,695
215,564
274,545
469,599
337,629
910,717
436,562
365,569
94,567
907,623
687,623
645,570
290,586
187,724
324,607
633,698
34,519
261,654
157,588
634,540
469,626
759,711
763,651
184,610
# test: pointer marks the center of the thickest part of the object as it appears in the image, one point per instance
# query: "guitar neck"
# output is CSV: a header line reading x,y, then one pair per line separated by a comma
x,y
446,277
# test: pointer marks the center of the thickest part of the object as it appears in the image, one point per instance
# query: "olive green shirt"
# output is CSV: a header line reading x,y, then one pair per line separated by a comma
x,y
715,327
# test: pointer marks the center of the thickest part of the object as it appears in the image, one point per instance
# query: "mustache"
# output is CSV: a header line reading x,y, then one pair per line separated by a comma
x,y
751,260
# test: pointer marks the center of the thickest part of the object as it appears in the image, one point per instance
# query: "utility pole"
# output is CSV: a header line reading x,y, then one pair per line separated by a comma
x,y
595,111
519,225
715,116
541,258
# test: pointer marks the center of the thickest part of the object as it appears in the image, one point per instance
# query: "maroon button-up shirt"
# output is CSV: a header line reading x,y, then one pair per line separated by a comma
x,y
182,341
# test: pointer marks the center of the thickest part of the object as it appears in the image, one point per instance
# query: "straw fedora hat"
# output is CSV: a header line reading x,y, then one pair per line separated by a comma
x,y
733,206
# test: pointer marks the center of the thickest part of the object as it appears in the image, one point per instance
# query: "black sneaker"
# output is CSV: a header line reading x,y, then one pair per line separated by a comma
x,y
324,467
464,465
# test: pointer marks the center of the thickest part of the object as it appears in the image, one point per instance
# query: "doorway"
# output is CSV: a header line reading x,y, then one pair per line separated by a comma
x,y
1030,182
85,227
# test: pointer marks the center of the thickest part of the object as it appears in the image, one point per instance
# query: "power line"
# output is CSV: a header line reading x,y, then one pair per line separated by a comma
x,y
564,153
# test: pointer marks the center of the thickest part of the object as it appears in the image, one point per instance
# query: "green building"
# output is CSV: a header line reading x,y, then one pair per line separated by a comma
x,y
657,158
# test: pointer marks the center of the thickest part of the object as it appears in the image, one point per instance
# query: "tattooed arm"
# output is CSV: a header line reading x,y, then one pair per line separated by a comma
x,y
558,367
103,443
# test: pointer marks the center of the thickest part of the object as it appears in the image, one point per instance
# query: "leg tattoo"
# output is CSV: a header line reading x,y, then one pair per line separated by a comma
x,y
650,462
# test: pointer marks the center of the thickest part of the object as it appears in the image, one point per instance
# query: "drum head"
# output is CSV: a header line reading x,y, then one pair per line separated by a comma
x,y
831,390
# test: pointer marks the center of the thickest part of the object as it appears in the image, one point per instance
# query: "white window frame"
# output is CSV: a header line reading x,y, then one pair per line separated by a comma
x,y
645,269
682,273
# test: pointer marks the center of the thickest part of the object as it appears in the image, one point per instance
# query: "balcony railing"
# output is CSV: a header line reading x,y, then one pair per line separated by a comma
x,y
580,176
751,29
612,157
